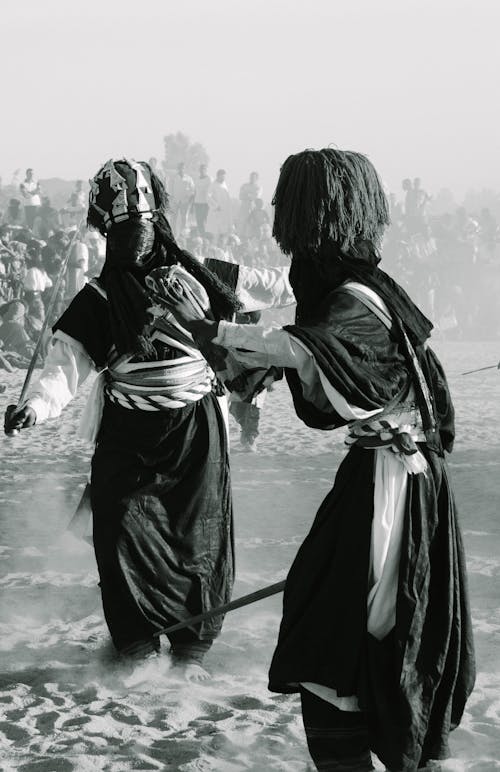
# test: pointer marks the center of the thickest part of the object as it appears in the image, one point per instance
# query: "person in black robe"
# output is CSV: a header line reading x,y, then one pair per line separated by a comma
x,y
160,483
399,691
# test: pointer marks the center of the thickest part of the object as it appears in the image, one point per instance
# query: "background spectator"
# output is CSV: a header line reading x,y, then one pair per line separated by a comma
x,y
220,219
202,187
181,197
31,193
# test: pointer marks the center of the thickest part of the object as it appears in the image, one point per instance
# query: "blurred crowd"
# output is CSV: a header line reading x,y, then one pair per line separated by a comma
x,y
34,242
449,262
210,222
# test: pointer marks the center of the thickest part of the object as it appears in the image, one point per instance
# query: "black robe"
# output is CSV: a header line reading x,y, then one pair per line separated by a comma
x,y
161,501
415,682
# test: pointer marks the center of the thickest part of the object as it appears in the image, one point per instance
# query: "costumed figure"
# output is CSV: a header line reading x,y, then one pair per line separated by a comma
x,y
160,486
376,630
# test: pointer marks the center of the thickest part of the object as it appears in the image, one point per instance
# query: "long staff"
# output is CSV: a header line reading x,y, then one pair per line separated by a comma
x,y
480,369
48,314
245,600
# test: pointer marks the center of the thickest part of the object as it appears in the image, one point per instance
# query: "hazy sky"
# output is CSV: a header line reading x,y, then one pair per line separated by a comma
x,y
414,84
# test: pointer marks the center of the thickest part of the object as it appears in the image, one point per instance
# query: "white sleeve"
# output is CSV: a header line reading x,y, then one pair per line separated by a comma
x,y
261,288
269,346
266,346
66,367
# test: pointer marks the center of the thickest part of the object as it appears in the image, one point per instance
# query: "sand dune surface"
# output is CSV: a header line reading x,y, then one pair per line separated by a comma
x,y
67,704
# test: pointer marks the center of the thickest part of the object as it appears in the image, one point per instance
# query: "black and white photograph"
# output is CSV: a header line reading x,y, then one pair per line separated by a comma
x,y
250,386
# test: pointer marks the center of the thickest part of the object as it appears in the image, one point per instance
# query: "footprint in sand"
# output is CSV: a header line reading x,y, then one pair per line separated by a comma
x,y
244,702
14,733
84,696
75,723
122,713
175,751
51,764
45,722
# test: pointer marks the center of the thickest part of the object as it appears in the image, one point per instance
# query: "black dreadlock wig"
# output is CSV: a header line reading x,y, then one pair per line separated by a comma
x,y
134,247
330,215
328,196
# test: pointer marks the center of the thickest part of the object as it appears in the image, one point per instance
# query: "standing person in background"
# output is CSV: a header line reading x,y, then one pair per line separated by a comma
x,y
31,192
181,193
422,198
256,219
376,632
220,220
36,284
78,266
249,193
202,187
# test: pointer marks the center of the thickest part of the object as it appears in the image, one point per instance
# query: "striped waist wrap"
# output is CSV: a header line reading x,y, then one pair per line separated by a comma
x,y
160,386
156,385
171,383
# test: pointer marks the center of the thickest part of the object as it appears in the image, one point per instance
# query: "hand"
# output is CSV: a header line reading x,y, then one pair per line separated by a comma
x,y
202,330
18,418
184,302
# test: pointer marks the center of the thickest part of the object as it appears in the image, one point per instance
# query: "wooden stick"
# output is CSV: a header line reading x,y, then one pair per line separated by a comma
x,y
245,600
48,313
480,369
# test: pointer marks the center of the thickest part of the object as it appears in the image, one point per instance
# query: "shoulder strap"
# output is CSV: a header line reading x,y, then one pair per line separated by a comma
x,y
371,300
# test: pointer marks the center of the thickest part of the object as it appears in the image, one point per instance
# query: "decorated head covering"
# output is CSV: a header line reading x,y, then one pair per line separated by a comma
x,y
121,190
128,204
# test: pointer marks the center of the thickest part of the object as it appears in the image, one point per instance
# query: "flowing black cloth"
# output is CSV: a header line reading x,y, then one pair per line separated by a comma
x,y
161,501
162,514
414,683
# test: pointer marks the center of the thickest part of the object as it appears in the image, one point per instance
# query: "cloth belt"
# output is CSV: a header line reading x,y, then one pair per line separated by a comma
x,y
164,389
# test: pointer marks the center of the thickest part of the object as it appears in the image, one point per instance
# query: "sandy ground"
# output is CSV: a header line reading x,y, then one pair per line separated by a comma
x,y
64,702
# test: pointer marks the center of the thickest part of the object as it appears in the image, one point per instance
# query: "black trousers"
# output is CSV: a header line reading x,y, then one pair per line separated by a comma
x,y
337,739
185,647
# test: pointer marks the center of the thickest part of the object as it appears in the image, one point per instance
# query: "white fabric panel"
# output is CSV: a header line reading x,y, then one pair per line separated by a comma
x,y
389,507
261,288
65,369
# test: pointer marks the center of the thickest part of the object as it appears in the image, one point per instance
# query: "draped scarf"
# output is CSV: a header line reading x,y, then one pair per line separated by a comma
x,y
315,275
